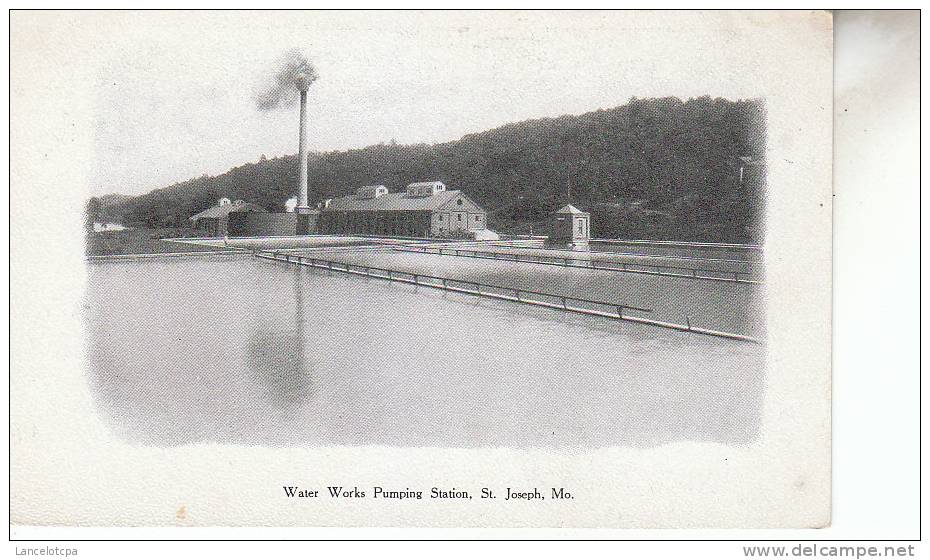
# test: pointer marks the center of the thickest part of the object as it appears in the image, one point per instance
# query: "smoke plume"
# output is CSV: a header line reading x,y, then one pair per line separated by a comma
x,y
280,88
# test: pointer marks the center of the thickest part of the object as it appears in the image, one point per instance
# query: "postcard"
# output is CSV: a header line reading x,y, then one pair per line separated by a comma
x,y
421,269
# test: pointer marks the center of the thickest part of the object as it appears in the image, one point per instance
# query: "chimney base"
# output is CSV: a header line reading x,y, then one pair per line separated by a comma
x,y
304,209
306,224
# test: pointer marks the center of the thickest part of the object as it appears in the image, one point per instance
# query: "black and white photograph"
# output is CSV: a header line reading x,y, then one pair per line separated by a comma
x,y
410,269
584,280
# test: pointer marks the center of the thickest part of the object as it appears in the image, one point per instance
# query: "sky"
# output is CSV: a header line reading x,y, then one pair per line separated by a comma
x,y
174,92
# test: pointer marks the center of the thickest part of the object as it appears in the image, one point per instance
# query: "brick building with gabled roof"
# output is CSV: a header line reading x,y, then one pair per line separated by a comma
x,y
425,209
214,221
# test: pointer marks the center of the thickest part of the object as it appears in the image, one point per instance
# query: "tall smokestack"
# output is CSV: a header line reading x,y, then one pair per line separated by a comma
x,y
293,74
303,204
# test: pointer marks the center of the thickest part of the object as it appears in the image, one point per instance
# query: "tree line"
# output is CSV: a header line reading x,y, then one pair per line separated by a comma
x,y
652,168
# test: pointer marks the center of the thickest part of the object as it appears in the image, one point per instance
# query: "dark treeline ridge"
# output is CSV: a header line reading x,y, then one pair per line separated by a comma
x,y
649,169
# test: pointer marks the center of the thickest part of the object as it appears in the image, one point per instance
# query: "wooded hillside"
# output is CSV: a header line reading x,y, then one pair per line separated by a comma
x,y
652,168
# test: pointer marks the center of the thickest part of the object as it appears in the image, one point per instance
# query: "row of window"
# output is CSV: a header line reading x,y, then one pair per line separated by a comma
x,y
477,218
397,224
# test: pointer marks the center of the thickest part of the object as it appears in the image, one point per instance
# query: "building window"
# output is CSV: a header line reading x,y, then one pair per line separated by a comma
x,y
460,217
459,202
440,217
477,218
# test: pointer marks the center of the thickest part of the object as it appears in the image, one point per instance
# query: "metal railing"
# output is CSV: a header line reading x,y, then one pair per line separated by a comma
x,y
660,243
562,302
594,264
338,249
521,295
180,254
630,254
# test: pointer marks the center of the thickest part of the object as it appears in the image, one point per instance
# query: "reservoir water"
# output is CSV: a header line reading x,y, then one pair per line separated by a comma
x,y
726,306
246,351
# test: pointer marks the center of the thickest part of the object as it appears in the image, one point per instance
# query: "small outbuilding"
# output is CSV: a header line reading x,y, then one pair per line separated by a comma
x,y
570,225
214,222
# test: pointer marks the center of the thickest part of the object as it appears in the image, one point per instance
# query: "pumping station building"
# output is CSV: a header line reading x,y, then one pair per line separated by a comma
x,y
423,210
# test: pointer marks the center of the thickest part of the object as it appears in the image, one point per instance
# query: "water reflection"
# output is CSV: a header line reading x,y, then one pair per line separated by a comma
x,y
258,353
277,355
